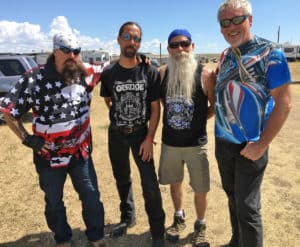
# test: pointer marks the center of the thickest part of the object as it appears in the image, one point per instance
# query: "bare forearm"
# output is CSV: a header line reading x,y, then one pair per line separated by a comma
x,y
16,126
275,123
280,112
154,118
210,112
208,79
108,102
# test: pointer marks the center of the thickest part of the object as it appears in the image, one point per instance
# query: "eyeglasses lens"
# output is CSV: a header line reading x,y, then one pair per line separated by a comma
x,y
68,50
128,37
237,20
183,44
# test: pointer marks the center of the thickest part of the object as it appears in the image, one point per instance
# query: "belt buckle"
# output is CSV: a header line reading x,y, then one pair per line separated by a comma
x,y
128,130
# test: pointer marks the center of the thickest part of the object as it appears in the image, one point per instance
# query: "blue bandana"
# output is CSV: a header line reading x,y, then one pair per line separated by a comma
x,y
179,32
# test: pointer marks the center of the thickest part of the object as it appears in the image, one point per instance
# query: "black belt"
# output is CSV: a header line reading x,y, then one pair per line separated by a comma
x,y
128,129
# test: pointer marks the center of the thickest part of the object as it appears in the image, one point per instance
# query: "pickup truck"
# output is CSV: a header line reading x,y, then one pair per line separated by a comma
x,y
12,67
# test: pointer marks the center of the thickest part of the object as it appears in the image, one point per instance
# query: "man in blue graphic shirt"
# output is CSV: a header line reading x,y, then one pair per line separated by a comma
x,y
253,100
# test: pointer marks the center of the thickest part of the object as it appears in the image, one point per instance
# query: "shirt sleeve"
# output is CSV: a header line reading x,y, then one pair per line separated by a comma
x,y
18,100
277,70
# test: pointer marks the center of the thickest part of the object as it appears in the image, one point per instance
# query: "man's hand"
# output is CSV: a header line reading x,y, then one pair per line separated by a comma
x,y
34,142
143,59
253,150
146,149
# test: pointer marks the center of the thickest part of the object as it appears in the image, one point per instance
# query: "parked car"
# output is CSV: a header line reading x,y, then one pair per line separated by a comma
x,y
12,67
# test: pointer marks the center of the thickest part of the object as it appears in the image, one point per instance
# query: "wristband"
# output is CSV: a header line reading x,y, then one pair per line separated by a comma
x,y
34,142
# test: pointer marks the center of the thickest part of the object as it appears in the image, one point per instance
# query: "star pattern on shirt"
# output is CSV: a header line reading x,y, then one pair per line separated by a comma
x,y
60,111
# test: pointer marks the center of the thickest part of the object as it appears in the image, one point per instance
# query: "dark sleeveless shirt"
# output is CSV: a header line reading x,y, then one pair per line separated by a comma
x,y
184,121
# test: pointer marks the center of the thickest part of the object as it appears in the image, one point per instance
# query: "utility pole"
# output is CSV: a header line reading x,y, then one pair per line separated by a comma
x,y
278,34
159,53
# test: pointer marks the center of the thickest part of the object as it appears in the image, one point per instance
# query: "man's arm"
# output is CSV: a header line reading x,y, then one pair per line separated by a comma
x,y
208,79
107,101
16,126
34,142
146,149
154,119
283,104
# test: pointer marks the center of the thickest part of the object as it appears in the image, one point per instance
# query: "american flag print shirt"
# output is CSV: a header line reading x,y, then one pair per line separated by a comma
x,y
61,112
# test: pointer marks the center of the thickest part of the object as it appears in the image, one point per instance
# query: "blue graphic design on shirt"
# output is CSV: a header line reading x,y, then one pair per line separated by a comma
x,y
179,112
244,105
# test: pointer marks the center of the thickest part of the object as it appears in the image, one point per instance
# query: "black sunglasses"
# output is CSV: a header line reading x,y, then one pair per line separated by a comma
x,y
68,50
183,44
129,37
237,20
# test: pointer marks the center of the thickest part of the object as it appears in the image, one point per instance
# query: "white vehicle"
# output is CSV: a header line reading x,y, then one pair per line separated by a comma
x,y
291,51
98,57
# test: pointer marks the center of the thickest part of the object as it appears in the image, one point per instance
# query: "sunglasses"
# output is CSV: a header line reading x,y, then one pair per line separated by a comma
x,y
237,20
68,50
129,37
183,44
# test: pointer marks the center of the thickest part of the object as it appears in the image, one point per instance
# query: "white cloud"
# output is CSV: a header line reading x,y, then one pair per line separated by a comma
x,y
20,37
60,24
26,37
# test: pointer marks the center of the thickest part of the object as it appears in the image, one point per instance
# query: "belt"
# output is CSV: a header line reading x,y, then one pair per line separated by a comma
x,y
128,129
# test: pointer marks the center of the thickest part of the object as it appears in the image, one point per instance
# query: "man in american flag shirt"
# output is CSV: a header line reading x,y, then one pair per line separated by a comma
x,y
59,95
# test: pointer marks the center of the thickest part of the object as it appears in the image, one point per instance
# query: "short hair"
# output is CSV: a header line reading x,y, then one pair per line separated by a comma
x,y
244,4
129,23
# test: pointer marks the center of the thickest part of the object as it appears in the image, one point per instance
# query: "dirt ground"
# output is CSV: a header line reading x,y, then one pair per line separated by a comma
x,y
22,222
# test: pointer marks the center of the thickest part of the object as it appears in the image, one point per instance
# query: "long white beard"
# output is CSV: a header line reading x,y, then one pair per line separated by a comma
x,y
182,68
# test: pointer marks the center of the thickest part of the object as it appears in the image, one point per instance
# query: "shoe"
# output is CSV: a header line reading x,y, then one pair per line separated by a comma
x,y
121,228
228,245
99,243
173,233
158,242
232,243
67,244
199,239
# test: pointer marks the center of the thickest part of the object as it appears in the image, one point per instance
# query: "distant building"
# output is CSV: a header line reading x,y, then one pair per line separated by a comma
x,y
99,57
292,52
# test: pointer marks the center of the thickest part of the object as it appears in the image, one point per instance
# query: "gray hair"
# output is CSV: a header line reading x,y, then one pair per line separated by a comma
x,y
244,4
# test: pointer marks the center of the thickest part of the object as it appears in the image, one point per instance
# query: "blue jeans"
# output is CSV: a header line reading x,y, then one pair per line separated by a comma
x,y
241,180
119,145
84,180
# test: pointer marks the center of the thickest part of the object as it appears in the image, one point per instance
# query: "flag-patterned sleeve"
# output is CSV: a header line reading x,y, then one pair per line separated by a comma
x,y
19,100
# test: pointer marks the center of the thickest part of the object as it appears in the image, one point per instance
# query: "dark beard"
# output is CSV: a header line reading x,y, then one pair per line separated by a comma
x,y
129,52
73,72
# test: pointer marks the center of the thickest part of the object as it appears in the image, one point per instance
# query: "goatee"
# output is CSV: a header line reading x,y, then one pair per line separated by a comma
x,y
73,72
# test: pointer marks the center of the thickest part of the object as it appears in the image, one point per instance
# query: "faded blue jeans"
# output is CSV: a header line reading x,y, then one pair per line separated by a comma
x,y
84,179
241,180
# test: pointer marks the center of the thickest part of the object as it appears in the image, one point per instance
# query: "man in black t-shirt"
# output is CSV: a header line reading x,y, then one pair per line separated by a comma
x,y
131,92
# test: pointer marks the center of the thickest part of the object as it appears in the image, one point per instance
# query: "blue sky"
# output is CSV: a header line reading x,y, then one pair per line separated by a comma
x,y
27,26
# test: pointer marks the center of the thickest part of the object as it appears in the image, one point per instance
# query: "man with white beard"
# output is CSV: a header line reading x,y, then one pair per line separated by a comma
x,y
187,88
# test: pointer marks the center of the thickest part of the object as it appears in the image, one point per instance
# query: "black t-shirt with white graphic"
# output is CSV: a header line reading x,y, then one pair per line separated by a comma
x,y
131,91
184,121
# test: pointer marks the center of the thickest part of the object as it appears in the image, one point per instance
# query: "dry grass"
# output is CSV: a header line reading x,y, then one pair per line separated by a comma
x,y
22,222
